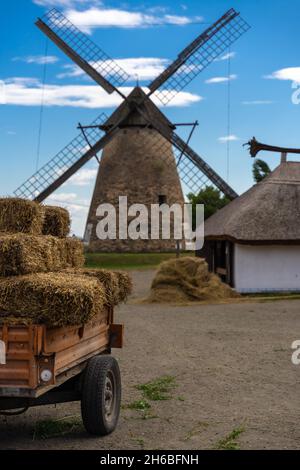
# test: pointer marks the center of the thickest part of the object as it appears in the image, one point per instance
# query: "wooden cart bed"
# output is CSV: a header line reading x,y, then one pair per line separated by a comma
x,y
34,359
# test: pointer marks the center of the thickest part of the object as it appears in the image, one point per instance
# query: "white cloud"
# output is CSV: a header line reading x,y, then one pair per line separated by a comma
x,y
92,18
63,197
28,91
289,73
83,177
65,3
257,102
37,59
228,138
145,68
183,98
221,79
229,55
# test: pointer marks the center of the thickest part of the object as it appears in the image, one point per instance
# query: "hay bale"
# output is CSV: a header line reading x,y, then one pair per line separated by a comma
x,y
24,254
57,221
20,215
53,299
187,279
118,285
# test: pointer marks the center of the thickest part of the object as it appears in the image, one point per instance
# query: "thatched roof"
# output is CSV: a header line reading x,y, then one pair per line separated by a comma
x,y
148,107
268,212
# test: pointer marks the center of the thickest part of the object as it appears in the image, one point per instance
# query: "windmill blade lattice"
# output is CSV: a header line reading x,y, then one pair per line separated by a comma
x,y
69,155
86,51
193,171
198,55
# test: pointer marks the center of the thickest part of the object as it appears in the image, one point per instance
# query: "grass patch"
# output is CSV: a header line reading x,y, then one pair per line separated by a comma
x,y
55,428
128,260
145,416
140,405
196,430
230,442
140,441
159,389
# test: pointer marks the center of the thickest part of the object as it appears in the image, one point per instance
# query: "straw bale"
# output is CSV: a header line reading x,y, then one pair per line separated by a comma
x,y
53,299
20,215
24,254
118,285
56,221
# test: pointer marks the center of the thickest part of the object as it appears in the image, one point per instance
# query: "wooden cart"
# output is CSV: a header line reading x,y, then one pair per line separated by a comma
x,y
42,366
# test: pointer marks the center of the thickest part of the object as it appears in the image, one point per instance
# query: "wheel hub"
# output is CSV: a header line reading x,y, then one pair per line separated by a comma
x,y
109,396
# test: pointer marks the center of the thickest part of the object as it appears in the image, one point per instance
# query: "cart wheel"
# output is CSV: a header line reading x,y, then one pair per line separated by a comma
x,y
101,395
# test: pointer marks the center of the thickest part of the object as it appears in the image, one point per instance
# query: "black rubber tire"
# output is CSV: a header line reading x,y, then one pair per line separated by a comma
x,y
101,371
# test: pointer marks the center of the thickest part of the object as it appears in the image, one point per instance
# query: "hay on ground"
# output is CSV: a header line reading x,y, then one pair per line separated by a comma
x,y
187,279
20,215
54,299
118,285
24,254
56,221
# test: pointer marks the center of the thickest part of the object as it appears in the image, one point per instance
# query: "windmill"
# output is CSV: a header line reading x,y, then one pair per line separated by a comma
x,y
143,157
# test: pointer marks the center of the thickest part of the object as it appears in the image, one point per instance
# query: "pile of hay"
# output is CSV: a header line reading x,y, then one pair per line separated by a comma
x,y
20,215
57,221
24,254
54,299
42,279
187,279
118,285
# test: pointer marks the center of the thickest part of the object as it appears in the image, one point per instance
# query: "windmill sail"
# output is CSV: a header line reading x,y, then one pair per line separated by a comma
x,y
138,136
83,51
198,55
51,172
194,172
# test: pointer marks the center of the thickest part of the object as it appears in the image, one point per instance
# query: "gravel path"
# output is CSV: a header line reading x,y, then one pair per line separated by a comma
x,y
232,366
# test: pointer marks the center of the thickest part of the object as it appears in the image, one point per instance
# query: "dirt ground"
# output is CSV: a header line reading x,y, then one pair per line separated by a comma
x,y
232,366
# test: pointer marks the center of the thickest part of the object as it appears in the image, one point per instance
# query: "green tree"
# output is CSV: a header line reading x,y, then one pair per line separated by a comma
x,y
212,199
260,170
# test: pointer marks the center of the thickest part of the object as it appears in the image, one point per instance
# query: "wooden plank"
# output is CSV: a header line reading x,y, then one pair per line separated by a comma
x,y
59,339
79,352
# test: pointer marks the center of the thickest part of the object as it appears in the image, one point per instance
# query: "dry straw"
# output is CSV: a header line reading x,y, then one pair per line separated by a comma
x,y
118,285
56,221
54,299
187,279
24,254
20,215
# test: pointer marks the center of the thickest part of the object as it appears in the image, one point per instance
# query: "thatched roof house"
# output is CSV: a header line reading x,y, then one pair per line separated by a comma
x,y
254,241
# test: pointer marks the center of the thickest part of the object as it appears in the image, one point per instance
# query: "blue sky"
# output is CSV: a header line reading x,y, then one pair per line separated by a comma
x,y
144,36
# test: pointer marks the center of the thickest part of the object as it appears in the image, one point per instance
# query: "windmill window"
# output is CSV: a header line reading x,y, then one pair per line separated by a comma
x,y
162,199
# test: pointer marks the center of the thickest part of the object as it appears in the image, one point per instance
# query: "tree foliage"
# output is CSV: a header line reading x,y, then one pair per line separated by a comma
x,y
212,199
260,170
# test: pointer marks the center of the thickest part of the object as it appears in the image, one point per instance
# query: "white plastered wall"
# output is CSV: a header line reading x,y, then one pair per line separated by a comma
x,y
266,268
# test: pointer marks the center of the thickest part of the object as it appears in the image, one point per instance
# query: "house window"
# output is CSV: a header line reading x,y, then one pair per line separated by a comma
x,y
162,199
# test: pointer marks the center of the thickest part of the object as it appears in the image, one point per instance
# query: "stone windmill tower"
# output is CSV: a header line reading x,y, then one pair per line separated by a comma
x,y
131,166
142,156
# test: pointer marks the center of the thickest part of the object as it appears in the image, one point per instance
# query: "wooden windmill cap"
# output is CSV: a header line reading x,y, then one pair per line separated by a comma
x,y
268,212
135,119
